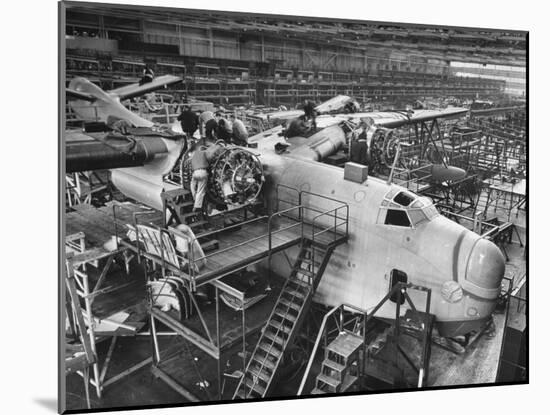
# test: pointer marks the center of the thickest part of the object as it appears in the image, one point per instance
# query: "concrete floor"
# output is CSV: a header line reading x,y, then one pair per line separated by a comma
x,y
140,388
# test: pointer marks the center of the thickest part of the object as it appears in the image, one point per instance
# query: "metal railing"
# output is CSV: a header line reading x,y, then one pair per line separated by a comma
x,y
358,320
299,216
486,230
361,319
403,177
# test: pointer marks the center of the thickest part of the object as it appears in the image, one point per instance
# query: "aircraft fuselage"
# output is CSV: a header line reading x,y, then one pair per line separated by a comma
x,y
435,252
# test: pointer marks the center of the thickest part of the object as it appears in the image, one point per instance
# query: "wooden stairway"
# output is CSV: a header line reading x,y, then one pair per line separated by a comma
x,y
179,203
336,370
284,322
178,208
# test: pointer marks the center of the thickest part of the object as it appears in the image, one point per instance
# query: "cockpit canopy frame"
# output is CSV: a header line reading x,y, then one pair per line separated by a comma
x,y
401,207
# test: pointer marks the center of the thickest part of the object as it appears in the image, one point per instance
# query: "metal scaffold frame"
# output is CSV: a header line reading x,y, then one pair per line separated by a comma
x,y
81,187
347,318
154,246
79,258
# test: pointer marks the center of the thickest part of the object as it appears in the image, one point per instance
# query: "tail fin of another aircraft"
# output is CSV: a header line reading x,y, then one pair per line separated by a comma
x,y
135,90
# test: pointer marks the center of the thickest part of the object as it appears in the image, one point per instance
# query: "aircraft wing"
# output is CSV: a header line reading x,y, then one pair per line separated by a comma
x,y
97,151
134,90
73,93
492,111
336,103
387,119
281,115
394,119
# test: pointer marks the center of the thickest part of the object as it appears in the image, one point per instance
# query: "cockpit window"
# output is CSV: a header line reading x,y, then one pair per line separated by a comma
x,y
417,216
430,211
403,199
397,218
403,208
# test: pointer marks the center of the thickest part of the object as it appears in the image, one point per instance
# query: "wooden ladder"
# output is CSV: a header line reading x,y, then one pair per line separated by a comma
x,y
284,322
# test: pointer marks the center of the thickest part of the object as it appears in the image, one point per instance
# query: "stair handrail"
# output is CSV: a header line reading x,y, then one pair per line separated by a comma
x,y
333,227
250,362
367,317
293,189
322,329
270,233
341,205
315,347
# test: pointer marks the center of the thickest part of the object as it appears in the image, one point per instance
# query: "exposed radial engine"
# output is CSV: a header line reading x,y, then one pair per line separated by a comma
x,y
235,175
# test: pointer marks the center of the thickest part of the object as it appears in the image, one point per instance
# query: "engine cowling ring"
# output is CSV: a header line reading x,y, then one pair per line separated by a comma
x,y
236,177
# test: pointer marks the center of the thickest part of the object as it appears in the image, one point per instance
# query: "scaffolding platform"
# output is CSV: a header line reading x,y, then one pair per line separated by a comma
x,y
106,289
507,195
99,225
178,254
176,365
244,244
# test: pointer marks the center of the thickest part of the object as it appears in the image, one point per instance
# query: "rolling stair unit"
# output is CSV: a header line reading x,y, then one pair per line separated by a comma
x,y
285,320
337,369
361,352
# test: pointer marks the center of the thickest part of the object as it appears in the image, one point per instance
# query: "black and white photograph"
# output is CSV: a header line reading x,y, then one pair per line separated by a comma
x,y
263,207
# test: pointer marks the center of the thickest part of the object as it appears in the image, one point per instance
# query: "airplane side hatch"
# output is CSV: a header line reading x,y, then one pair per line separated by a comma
x,y
397,276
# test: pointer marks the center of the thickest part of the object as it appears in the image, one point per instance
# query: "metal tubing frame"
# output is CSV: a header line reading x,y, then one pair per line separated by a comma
x,y
216,349
400,289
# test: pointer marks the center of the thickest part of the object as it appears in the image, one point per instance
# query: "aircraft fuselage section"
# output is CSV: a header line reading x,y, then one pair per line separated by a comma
x,y
435,253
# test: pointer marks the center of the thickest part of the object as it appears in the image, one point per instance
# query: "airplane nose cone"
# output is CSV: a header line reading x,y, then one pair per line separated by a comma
x,y
485,267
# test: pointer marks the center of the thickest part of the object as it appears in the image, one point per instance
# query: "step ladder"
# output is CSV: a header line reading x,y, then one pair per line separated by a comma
x,y
337,369
284,322
176,203
178,208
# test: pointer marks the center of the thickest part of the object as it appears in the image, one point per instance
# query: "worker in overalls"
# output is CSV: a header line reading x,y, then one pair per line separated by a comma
x,y
199,179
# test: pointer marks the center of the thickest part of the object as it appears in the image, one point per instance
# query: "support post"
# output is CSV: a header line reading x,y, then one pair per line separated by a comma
x,y
244,348
218,343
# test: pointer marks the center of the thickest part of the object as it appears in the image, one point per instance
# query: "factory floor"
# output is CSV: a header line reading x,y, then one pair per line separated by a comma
x,y
476,364
139,388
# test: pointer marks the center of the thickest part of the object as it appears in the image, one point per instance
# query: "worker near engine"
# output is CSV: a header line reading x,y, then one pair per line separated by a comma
x,y
359,147
310,113
225,132
240,134
199,178
211,129
148,76
297,127
189,121
204,117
